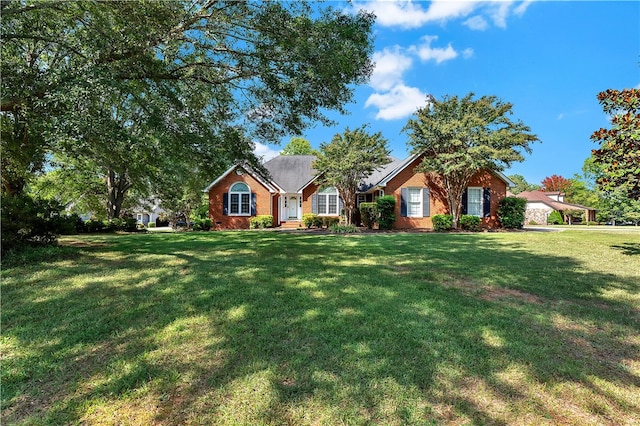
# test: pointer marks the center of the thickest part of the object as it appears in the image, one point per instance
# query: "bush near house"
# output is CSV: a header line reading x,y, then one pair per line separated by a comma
x,y
386,207
470,223
369,214
308,219
511,212
202,224
343,229
330,221
261,222
555,218
442,222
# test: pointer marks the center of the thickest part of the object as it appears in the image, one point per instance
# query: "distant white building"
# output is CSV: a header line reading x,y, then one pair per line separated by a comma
x,y
147,211
541,204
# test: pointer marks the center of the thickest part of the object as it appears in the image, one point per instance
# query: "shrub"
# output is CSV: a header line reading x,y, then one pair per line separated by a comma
x,y
261,221
533,222
555,218
93,225
328,221
442,222
469,222
202,224
309,219
343,229
511,212
386,208
369,214
151,225
30,221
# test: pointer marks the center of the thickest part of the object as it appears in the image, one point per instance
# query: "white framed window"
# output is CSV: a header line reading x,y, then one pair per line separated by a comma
x,y
414,202
474,201
239,199
328,201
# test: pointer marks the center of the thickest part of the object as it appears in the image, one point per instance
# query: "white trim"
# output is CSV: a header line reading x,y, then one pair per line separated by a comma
x,y
272,187
419,202
481,200
239,194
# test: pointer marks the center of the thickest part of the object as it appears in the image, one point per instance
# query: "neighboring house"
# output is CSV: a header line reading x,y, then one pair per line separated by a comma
x,y
540,205
292,190
147,211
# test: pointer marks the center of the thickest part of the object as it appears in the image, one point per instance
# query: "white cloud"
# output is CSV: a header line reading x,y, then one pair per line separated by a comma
x,y
477,23
399,102
467,53
390,66
412,14
438,54
265,151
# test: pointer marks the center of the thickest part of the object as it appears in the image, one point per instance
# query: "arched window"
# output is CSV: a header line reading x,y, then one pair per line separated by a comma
x,y
239,199
328,201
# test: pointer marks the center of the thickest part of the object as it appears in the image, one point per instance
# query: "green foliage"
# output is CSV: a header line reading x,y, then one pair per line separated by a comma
x,y
369,214
574,215
139,92
386,211
442,222
343,229
261,222
329,221
619,152
470,223
309,219
201,211
462,136
298,146
202,224
521,184
27,221
349,159
555,218
511,212
151,225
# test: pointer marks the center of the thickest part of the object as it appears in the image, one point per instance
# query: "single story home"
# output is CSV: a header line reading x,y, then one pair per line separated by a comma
x,y
147,211
291,189
540,205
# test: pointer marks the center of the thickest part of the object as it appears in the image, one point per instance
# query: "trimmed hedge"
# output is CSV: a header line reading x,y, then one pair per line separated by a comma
x,y
511,212
442,222
261,221
386,208
369,214
555,218
470,223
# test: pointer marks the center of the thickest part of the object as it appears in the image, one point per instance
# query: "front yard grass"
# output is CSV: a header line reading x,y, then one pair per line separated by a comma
x,y
279,328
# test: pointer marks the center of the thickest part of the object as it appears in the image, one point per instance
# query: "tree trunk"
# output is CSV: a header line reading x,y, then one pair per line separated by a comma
x,y
117,187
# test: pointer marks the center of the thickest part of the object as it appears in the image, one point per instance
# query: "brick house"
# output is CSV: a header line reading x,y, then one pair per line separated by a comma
x,y
291,190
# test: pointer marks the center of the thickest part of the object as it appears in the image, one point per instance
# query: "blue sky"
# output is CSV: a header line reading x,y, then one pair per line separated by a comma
x,y
549,59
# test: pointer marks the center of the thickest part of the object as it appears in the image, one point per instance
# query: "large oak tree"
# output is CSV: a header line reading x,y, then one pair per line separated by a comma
x,y
137,88
460,136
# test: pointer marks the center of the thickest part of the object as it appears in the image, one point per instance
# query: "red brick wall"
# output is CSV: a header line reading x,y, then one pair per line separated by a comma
x,y
264,202
438,202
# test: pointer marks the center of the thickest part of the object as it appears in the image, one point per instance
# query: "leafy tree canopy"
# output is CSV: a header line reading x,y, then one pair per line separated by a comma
x,y
348,159
141,90
461,136
619,152
555,183
298,146
521,184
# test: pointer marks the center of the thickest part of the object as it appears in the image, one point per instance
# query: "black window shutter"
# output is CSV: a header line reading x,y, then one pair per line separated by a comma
x,y
225,204
486,202
404,196
314,203
426,211
464,202
253,203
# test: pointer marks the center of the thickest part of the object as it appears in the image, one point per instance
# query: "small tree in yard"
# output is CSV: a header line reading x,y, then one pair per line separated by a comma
x,y
511,212
349,159
461,136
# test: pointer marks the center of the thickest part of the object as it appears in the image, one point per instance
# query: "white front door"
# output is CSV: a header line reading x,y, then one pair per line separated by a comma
x,y
292,207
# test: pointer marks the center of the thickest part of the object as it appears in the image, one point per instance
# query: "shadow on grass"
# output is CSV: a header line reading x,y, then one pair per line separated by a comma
x,y
630,249
274,328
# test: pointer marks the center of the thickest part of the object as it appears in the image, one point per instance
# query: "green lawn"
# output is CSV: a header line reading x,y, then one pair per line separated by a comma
x,y
280,328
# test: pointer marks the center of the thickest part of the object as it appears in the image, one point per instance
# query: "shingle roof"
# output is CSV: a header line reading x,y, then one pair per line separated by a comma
x,y
291,172
542,197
